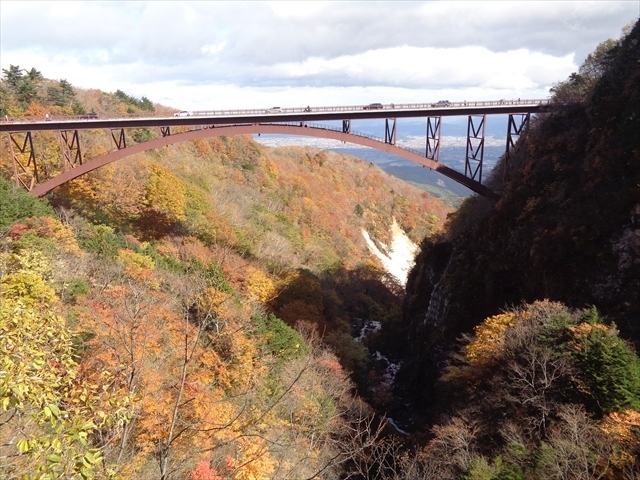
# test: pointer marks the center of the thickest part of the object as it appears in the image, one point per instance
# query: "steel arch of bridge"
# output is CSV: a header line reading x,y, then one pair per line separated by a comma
x,y
291,121
300,129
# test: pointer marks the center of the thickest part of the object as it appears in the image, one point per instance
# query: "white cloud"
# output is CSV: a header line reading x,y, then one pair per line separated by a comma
x,y
291,9
213,49
244,54
417,67
61,11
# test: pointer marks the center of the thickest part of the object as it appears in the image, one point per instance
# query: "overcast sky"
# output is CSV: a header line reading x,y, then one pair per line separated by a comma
x,y
219,55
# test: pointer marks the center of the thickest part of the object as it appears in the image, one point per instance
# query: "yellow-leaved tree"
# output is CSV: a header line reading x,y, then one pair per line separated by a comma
x,y
489,340
165,200
46,414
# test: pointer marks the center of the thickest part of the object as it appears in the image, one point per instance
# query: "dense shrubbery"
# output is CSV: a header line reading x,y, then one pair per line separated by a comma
x,y
538,392
16,204
137,370
610,369
280,339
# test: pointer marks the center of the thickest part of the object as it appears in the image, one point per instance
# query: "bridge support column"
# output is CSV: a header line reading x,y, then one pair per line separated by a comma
x,y
514,131
346,126
25,173
70,148
475,147
433,138
121,141
390,131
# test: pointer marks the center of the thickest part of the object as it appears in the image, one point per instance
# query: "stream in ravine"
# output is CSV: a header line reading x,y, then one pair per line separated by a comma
x,y
382,363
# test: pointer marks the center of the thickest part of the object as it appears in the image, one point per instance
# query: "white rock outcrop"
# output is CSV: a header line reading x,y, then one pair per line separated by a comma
x,y
397,259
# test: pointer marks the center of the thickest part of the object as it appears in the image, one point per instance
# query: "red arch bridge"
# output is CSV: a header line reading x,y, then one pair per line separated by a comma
x,y
286,121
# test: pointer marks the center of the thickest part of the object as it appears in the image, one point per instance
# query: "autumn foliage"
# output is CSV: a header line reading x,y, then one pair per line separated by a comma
x,y
172,318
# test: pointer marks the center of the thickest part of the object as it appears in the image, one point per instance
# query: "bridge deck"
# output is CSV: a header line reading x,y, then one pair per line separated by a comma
x,y
302,114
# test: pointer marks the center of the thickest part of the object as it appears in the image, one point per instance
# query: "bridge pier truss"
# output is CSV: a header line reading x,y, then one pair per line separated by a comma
x,y
25,172
432,150
120,142
70,148
390,131
476,126
517,125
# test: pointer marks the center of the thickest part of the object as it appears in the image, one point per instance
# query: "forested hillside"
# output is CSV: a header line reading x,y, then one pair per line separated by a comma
x,y
190,312
524,315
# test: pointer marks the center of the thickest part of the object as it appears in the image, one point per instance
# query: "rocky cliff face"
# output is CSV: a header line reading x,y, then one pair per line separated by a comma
x,y
567,226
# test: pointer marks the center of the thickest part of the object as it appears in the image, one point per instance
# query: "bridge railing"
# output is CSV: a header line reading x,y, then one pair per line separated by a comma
x,y
389,106
277,110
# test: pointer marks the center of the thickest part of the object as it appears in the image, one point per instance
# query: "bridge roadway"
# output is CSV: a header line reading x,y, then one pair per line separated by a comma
x,y
271,115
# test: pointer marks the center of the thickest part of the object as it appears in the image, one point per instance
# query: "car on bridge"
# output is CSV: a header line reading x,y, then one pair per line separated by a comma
x,y
374,106
86,116
441,103
184,113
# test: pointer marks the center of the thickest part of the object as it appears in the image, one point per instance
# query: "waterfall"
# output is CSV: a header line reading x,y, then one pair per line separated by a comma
x,y
439,301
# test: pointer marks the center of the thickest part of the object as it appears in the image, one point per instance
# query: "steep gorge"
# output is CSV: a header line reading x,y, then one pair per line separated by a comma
x,y
566,227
